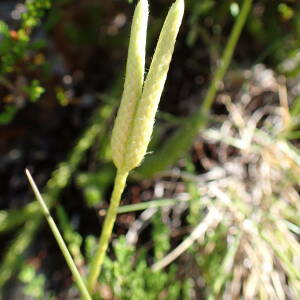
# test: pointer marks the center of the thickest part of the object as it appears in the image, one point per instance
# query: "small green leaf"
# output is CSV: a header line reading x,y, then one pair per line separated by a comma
x,y
34,90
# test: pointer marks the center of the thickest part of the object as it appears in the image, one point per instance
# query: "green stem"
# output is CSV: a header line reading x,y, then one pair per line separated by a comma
x,y
76,275
150,204
109,221
226,57
14,255
182,140
60,178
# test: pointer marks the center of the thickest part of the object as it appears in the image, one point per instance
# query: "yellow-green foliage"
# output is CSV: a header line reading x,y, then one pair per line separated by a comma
x,y
134,123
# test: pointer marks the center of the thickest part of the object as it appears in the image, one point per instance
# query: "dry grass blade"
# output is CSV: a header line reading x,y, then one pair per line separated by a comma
x,y
210,221
256,189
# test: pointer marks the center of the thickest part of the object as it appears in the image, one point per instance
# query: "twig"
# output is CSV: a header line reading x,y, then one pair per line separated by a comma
x,y
211,220
139,224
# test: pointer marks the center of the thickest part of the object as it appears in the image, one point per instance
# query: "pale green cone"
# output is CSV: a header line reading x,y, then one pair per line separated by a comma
x,y
133,83
153,87
134,122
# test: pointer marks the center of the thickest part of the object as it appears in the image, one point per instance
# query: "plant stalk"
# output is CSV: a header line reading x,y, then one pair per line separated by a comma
x,y
226,57
109,221
76,275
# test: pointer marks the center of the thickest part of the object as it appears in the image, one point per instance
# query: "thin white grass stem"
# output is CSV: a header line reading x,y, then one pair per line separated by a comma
x,y
138,225
211,220
76,275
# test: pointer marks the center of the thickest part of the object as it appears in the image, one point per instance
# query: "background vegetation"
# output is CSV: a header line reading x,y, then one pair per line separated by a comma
x,y
220,220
